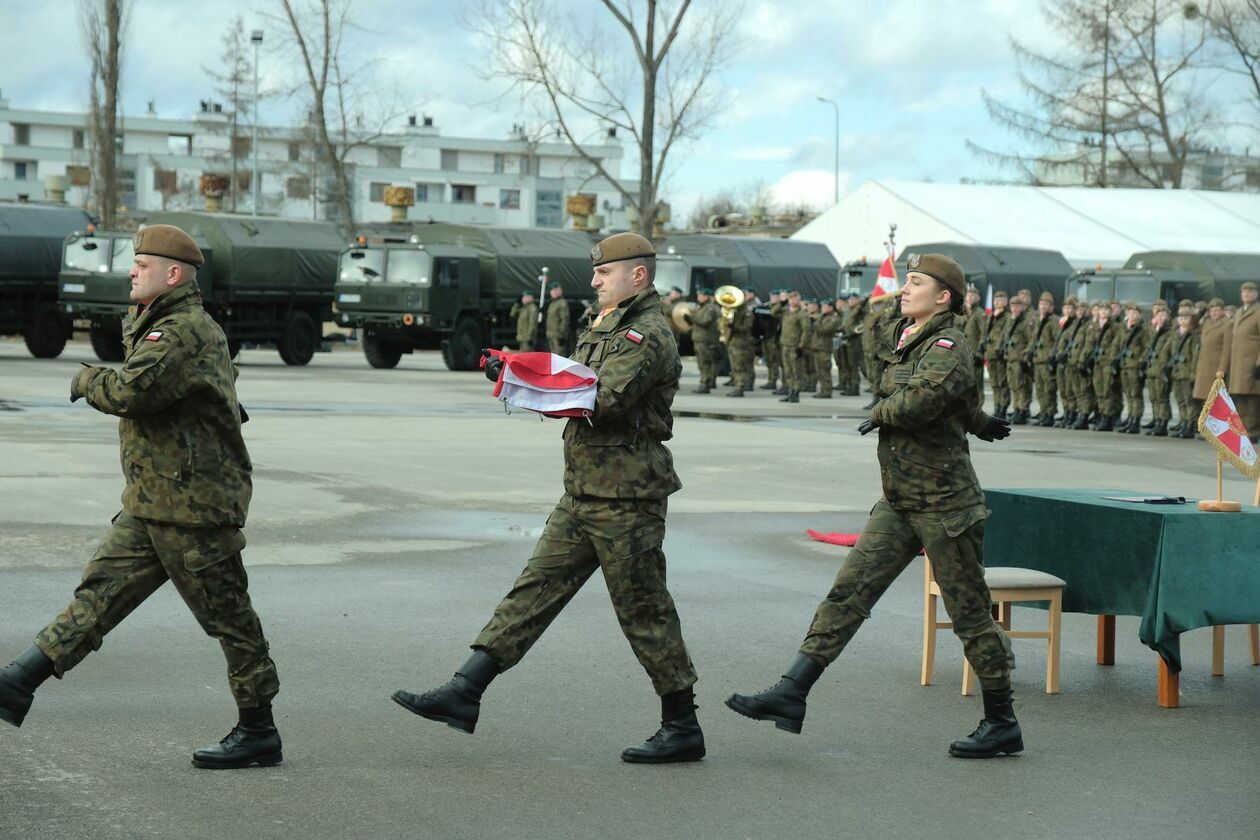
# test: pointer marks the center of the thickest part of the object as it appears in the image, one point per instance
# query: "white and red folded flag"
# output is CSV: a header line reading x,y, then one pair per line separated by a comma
x,y
546,383
886,280
1221,426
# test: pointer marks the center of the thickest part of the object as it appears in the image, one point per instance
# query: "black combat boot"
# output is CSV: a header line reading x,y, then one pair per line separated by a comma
x,y
738,392
1083,422
784,702
253,741
997,733
822,396
1065,420
1047,420
1104,424
769,386
1135,426
679,738
794,396
703,389
18,681
1149,425
781,392
1020,418
1160,430
458,701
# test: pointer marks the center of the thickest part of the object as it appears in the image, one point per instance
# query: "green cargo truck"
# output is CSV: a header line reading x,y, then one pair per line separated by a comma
x,y
994,268
1218,274
1142,285
410,286
690,261
265,280
31,236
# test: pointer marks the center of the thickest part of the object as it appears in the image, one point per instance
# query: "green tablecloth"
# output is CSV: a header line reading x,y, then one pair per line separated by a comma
x,y
1177,567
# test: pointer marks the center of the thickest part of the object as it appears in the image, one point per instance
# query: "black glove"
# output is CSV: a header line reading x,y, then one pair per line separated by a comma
x,y
995,429
867,427
492,365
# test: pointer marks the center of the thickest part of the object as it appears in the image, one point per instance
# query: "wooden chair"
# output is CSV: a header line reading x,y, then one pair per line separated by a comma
x,y
1218,648
1007,585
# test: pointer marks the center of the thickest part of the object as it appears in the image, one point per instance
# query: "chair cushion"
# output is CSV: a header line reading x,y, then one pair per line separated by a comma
x,y
1010,577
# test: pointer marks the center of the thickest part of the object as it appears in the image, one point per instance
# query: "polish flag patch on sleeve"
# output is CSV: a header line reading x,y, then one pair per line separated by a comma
x,y
153,336
635,336
945,342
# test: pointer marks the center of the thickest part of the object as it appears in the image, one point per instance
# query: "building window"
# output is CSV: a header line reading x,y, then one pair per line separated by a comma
x,y
549,208
498,163
164,180
179,144
429,193
376,191
389,157
1253,177
20,170
295,151
78,139
243,181
528,166
242,145
463,194
298,186
78,176
21,134
509,199
450,160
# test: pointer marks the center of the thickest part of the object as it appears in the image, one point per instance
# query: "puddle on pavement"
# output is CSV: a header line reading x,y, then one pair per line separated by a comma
x,y
5,405
714,415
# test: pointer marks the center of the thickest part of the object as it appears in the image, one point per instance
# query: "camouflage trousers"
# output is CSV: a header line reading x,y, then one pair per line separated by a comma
x,y
979,372
1086,400
1158,390
1183,395
822,370
743,361
1047,389
707,361
849,367
1131,383
792,373
1020,381
890,540
621,537
558,343
999,383
1063,379
1107,390
774,359
136,557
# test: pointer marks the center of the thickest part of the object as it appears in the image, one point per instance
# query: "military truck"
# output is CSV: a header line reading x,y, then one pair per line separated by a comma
x,y
1217,274
265,280
994,268
1145,286
410,286
30,256
690,261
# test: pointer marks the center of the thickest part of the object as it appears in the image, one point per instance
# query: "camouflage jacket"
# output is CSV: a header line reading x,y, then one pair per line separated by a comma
x,y
1086,341
620,453
973,331
704,323
558,318
1185,355
995,335
1159,351
742,326
183,456
1065,340
1019,338
928,403
823,331
1045,338
1133,346
1110,343
795,332
526,316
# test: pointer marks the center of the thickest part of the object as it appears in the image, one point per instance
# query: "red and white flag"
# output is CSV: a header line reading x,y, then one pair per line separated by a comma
x,y
546,383
1221,426
886,280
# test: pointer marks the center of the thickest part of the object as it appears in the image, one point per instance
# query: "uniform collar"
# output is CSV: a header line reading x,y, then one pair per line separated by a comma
x,y
938,322
627,308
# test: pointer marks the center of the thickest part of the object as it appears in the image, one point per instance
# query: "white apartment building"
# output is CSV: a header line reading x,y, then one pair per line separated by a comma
x,y
514,182
1205,169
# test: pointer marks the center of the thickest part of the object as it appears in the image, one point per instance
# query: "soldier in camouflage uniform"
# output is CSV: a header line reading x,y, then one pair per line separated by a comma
x,y
1157,367
973,332
525,314
1045,337
558,323
1082,362
1107,350
187,493
849,353
1185,358
1132,371
617,477
1019,364
1064,374
931,500
704,337
770,350
741,347
820,340
794,343
994,354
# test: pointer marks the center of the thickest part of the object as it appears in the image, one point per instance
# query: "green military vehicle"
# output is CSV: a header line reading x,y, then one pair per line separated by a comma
x,y
1004,268
30,257
265,280
410,286
1217,274
1143,285
690,261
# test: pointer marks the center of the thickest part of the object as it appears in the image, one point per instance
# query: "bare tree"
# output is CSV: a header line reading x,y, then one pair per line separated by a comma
x,y
346,109
1235,24
657,91
101,23
232,82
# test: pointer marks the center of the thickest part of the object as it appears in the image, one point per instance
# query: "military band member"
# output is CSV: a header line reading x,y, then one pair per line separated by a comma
x,y
188,486
1158,369
618,475
704,337
931,500
741,347
558,323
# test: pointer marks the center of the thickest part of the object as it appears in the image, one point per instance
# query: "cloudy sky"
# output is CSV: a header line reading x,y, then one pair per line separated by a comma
x,y
907,76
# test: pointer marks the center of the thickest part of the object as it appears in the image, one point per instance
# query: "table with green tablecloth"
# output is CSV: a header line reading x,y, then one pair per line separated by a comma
x,y
1177,567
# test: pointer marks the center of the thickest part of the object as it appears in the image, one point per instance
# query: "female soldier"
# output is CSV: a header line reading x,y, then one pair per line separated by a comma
x,y
928,404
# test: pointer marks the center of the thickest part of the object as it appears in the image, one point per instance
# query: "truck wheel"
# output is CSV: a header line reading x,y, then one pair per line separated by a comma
x,y
380,354
106,344
47,332
463,350
297,345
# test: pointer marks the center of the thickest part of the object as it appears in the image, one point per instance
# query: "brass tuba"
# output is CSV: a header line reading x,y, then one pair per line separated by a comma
x,y
729,298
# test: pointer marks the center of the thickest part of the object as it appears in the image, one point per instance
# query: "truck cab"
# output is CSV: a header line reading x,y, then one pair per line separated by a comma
x,y
1123,284
689,272
94,286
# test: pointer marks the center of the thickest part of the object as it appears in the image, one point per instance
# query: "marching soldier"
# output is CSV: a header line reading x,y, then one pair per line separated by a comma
x,y
188,486
1132,354
618,475
704,336
741,347
1019,364
1185,360
973,332
931,500
1242,360
558,322
1158,369
994,338
794,343
525,314
1069,324
1212,338
821,340
1045,339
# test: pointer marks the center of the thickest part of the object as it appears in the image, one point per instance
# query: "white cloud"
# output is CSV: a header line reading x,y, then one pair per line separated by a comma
x,y
763,153
808,187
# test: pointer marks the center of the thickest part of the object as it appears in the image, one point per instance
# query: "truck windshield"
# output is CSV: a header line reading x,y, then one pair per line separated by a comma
x,y
123,256
90,253
1140,289
406,266
670,273
362,266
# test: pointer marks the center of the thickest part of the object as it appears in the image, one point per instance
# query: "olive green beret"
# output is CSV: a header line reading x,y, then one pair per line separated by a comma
x,y
1215,302
1072,301
945,270
621,246
704,290
1047,296
167,241
1249,286
1000,294
1132,304
1185,307
1158,305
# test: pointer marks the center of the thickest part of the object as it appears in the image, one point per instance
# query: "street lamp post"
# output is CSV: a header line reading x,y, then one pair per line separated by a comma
x,y
836,190
256,38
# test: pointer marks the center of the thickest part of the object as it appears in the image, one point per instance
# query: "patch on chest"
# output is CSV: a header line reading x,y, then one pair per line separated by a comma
x,y
635,336
156,335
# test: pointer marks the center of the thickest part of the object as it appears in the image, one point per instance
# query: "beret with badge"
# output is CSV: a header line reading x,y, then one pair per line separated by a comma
x,y
941,268
167,241
621,246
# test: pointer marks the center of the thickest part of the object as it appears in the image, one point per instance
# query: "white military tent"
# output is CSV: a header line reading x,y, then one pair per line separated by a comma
x,y
1088,226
